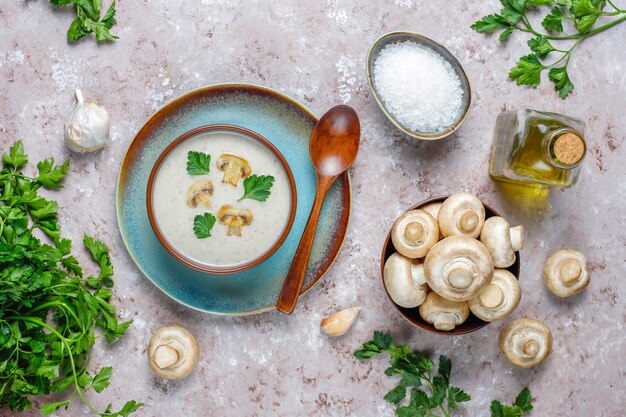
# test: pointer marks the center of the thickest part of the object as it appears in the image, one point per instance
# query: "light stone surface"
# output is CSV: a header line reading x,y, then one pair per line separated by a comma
x,y
274,365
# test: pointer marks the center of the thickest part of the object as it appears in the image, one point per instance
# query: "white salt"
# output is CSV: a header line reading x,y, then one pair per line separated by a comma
x,y
418,86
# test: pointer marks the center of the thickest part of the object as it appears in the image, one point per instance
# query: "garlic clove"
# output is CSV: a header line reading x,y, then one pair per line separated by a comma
x,y
339,323
88,127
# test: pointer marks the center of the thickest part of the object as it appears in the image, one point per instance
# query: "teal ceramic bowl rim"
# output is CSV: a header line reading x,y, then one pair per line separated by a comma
x,y
444,133
118,193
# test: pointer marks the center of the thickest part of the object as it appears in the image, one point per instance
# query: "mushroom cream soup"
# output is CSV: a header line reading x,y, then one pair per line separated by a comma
x,y
175,218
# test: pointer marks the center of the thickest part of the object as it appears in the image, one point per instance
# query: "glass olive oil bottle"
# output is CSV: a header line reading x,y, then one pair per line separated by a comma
x,y
538,148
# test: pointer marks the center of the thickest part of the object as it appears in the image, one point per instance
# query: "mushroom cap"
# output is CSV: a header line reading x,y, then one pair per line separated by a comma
x,y
525,342
565,273
199,193
404,281
414,233
461,214
173,352
502,241
457,267
443,314
432,208
234,167
497,299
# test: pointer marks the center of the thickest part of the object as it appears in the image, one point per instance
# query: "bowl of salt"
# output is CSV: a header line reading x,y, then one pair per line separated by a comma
x,y
418,84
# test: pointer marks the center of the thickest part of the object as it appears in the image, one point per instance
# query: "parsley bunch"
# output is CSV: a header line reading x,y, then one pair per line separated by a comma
x,y
88,19
582,16
417,370
49,309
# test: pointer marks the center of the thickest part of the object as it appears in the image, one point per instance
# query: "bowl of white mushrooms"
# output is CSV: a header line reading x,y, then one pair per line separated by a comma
x,y
451,265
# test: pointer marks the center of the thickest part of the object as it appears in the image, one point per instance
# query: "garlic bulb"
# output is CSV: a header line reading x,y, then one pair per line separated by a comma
x,y
88,127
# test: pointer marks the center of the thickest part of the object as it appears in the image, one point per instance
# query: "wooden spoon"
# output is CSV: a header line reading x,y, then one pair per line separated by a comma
x,y
333,148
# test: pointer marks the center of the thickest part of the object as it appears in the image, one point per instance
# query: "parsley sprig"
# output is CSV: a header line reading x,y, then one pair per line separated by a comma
x,y
88,19
257,187
579,15
49,309
417,371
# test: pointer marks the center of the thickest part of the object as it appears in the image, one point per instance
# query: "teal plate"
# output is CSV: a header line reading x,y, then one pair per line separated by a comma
x,y
285,123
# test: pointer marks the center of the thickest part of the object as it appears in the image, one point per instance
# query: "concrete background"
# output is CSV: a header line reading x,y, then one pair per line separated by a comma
x,y
273,365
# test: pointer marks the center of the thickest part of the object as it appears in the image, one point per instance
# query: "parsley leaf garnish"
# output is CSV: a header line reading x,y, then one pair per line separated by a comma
x,y
88,20
257,187
202,225
49,310
416,372
198,163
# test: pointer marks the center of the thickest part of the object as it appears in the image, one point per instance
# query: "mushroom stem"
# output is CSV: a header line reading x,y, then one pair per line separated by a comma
x,y
414,232
468,220
492,296
531,347
445,321
517,237
167,355
460,278
570,272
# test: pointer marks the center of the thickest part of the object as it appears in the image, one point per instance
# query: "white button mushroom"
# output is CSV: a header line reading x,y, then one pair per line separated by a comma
x,y
565,273
443,314
461,214
404,281
502,241
525,342
173,352
457,267
414,233
88,127
432,209
498,299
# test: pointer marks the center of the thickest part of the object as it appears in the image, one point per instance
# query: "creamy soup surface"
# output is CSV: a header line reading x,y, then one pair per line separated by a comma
x,y
175,218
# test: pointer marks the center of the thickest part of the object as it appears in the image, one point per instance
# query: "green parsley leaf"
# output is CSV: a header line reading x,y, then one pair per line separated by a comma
x,y
50,175
202,225
101,380
524,400
16,157
50,408
541,46
554,20
88,20
527,71
490,23
198,163
396,395
100,253
561,81
505,34
257,187
445,367
521,406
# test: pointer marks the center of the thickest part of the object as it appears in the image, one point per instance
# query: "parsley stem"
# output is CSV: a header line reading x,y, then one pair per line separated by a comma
x,y
579,35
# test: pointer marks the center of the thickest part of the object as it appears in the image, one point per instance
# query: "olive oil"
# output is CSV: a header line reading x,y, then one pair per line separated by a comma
x,y
538,148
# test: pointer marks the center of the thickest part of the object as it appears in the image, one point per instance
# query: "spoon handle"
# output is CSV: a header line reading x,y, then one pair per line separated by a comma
x,y
295,277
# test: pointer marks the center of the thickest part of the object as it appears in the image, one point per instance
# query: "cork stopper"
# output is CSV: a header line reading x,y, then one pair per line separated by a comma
x,y
569,148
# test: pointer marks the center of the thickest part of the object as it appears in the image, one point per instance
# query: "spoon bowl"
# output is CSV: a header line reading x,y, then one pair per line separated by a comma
x,y
335,141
